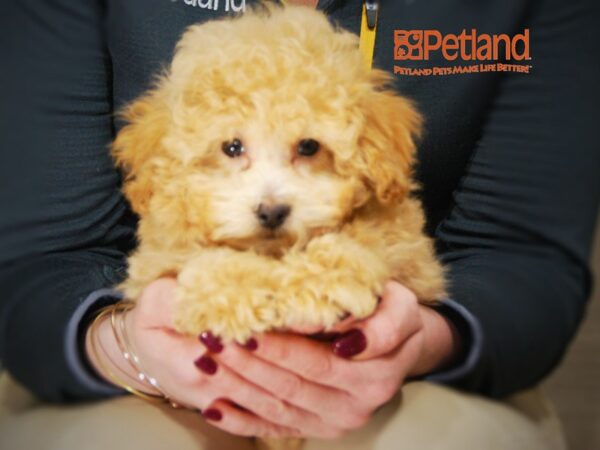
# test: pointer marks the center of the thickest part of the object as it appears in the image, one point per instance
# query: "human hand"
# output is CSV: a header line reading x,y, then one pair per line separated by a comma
x,y
323,393
190,377
290,385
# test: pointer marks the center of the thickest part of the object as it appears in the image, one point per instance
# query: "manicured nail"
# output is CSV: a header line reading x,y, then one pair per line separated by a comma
x,y
350,344
251,344
212,414
206,364
211,342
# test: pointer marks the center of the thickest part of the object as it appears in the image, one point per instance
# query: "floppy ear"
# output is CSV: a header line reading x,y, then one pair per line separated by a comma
x,y
386,144
137,145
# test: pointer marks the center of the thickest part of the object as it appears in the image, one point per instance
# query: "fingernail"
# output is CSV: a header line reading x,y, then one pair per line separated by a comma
x,y
211,342
212,414
251,344
350,344
206,364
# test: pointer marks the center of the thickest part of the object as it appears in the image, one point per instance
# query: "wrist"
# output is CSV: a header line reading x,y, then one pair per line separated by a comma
x,y
108,356
441,345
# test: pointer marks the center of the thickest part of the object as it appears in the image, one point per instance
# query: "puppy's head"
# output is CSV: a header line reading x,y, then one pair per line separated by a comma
x,y
267,130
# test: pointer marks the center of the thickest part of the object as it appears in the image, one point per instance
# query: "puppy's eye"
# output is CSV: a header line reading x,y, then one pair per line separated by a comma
x,y
308,147
233,148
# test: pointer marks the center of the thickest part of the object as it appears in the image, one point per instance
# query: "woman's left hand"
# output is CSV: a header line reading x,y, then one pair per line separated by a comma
x,y
324,390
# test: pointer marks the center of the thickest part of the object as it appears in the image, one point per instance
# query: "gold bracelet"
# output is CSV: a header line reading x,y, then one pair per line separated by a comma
x,y
130,354
123,307
113,363
109,373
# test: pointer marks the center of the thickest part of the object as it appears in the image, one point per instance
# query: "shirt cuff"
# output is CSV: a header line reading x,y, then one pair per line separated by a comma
x,y
73,342
472,337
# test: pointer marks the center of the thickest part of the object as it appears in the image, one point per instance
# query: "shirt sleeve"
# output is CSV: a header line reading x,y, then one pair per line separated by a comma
x,y
471,336
517,239
64,226
74,341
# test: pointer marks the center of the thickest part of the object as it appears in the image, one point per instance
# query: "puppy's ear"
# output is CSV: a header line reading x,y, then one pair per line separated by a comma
x,y
138,145
386,144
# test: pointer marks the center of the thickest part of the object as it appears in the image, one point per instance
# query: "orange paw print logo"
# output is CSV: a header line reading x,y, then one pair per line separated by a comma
x,y
408,45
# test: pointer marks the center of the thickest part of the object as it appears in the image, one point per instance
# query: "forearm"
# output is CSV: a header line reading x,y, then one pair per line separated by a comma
x,y
529,308
44,303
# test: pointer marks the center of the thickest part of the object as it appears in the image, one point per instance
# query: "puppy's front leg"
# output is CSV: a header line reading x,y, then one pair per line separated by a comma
x,y
332,276
231,293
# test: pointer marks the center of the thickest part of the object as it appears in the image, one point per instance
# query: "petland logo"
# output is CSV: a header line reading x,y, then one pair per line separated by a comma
x,y
226,5
486,49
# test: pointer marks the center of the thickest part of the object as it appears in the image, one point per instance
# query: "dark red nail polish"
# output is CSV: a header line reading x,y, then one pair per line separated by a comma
x,y
350,344
206,364
251,344
211,342
212,414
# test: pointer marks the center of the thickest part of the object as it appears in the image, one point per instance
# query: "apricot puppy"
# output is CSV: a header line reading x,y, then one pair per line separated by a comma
x,y
271,171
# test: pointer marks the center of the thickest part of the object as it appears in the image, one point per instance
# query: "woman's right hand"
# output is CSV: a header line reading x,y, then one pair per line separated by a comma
x,y
180,364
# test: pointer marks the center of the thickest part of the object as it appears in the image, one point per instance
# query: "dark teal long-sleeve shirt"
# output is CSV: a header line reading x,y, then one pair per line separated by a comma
x,y
510,168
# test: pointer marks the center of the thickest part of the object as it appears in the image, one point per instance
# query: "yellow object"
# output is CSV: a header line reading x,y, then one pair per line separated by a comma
x,y
367,38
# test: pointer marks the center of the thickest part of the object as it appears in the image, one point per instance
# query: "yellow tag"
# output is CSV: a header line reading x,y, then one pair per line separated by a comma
x,y
367,38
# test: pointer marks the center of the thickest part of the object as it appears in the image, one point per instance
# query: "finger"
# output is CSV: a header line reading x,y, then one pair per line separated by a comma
x,y
291,388
344,324
208,379
265,405
311,360
395,320
231,419
192,377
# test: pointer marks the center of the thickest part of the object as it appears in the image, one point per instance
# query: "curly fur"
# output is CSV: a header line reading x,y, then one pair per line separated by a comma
x,y
272,79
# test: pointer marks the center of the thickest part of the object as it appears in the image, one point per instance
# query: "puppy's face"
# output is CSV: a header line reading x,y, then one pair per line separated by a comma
x,y
264,139
268,187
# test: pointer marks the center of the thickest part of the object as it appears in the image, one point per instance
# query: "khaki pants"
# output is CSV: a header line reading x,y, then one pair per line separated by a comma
x,y
423,417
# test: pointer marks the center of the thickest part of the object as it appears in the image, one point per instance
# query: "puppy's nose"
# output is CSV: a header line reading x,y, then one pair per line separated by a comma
x,y
272,216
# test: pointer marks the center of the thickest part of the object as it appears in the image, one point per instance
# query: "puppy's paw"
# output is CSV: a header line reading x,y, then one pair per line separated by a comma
x,y
323,301
232,294
328,280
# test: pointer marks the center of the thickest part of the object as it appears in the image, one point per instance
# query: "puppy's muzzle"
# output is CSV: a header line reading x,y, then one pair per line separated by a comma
x,y
272,217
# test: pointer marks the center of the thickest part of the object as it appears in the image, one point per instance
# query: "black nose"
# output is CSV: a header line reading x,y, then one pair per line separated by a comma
x,y
272,216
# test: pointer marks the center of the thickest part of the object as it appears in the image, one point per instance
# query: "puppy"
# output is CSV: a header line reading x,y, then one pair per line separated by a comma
x,y
271,171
